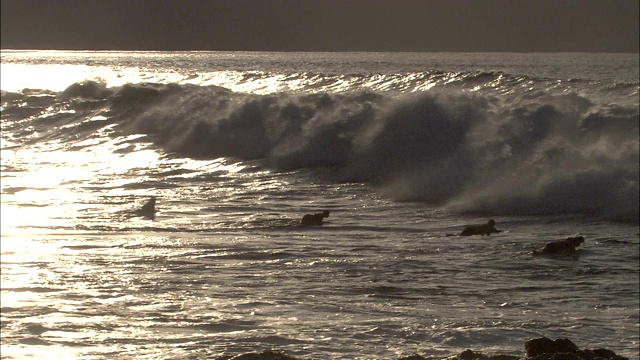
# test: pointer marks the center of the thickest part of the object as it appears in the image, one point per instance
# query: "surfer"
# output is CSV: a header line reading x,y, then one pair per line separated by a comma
x,y
561,247
148,210
315,219
482,229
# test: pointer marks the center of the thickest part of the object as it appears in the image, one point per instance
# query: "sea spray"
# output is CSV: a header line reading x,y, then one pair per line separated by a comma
x,y
533,154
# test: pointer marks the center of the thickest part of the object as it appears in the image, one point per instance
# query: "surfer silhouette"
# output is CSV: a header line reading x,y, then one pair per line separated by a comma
x,y
561,247
315,219
482,229
148,210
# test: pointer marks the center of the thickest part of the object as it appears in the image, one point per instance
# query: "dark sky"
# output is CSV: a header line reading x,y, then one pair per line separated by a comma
x,y
323,25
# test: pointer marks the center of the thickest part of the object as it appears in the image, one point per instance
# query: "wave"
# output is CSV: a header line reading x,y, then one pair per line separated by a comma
x,y
532,152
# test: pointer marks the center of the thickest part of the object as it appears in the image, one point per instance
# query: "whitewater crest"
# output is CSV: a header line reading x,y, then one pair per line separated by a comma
x,y
533,153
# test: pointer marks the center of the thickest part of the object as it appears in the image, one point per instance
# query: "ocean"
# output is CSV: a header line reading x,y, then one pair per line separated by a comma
x,y
403,149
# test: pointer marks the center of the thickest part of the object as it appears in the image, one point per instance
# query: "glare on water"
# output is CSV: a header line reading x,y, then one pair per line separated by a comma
x,y
226,267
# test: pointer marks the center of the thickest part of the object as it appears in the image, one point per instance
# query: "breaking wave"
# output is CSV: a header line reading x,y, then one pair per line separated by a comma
x,y
533,152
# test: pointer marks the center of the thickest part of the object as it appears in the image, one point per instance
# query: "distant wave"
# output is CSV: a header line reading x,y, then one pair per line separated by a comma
x,y
520,152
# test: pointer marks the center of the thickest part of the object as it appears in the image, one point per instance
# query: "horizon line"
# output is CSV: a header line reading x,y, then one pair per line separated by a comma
x,y
326,51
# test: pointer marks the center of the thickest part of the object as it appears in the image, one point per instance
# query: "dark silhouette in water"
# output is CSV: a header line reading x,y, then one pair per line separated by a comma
x,y
148,210
561,247
536,349
482,229
315,219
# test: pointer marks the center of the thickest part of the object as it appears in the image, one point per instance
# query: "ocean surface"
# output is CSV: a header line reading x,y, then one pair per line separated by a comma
x,y
404,149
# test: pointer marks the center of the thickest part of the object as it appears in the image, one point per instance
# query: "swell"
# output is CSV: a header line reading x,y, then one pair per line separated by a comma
x,y
525,152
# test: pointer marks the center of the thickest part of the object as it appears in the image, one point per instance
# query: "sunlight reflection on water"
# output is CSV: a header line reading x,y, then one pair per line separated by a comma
x,y
226,266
